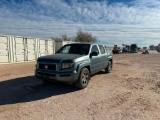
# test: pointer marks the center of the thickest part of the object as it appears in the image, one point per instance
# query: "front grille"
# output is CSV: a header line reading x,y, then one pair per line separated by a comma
x,y
47,66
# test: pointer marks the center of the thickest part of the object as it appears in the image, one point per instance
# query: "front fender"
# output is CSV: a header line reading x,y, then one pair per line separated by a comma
x,y
80,66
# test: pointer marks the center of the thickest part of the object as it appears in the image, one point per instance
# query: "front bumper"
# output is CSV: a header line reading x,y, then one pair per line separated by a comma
x,y
62,76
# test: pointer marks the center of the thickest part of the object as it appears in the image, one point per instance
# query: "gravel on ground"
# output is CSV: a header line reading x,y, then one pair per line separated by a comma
x,y
130,92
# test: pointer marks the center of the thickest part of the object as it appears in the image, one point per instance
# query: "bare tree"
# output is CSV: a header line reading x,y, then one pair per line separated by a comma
x,y
84,37
65,38
62,38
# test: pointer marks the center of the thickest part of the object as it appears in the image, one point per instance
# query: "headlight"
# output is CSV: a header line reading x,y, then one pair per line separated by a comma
x,y
67,65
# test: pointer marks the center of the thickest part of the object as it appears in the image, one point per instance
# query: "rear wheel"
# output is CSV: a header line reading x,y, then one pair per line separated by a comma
x,y
109,67
83,79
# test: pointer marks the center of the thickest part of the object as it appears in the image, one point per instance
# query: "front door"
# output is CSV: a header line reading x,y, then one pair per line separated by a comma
x,y
95,60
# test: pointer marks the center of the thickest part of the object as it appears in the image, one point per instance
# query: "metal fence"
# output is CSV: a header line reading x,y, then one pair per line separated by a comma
x,y
20,49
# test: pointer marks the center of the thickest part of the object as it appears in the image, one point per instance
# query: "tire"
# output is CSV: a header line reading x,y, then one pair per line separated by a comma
x,y
83,79
109,67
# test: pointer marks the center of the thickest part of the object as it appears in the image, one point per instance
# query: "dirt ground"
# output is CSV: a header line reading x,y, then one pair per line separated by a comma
x,y
130,92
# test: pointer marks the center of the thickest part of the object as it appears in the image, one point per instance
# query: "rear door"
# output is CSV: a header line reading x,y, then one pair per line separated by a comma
x,y
103,56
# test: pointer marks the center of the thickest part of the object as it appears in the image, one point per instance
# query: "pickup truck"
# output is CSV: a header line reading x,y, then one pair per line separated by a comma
x,y
74,63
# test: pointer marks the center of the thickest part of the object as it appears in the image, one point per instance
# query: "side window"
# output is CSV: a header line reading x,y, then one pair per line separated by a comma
x,y
94,49
106,49
101,49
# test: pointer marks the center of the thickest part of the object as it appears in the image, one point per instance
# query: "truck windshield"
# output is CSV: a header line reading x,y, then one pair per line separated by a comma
x,y
82,49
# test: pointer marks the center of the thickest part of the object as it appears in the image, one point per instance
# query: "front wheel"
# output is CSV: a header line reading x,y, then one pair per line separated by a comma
x,y
83,79
108,69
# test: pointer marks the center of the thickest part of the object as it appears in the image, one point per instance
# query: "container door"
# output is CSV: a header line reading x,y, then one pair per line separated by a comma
x,y
30,48
4,49
19,49
50,47
42,47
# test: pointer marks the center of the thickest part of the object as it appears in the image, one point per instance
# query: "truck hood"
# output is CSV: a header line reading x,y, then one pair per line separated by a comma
x,y
56,58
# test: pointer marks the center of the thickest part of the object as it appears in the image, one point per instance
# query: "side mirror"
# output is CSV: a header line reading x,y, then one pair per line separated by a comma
x,y
94,53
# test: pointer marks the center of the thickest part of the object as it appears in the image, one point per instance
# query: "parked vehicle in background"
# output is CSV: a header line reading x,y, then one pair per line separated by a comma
x,y
126,48
120,50
134,48
145,51
139,49
74,63
115,50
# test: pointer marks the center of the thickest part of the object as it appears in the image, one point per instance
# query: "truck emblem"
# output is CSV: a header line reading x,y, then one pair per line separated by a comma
x,y
46,66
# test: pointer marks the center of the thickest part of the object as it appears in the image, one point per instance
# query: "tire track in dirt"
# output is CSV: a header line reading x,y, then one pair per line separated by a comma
x,y
106,105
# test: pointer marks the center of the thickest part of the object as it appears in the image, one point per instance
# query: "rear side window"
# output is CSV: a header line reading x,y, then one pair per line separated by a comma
x,y
106,49
101,49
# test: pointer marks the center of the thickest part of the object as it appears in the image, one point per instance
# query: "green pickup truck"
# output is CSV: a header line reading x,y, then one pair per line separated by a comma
x,y
74,63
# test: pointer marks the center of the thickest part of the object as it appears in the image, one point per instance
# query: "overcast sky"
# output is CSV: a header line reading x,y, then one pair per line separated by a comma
x,y
110,21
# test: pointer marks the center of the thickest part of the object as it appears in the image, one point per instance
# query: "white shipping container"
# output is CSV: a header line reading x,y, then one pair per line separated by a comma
x,y
20,49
